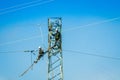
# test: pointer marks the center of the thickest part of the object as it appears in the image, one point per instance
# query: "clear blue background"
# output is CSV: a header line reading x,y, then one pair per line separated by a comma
x,y
102,39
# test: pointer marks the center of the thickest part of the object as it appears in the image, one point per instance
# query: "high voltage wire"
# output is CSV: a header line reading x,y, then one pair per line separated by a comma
x,y
18,51
92,24
96,55
71,51
42,37
25,6
20,40
11,51
27,70
20,5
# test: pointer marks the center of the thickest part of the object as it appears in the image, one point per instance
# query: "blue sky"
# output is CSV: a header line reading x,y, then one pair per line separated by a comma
x,y
101,39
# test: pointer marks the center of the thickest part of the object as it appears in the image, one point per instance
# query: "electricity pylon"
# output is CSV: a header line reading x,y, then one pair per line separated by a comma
x,y
55,58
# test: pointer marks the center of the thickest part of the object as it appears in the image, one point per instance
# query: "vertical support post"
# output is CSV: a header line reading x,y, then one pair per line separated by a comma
x,y
55,58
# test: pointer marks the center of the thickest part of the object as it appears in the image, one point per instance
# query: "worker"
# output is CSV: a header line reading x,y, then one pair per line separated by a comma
x,y
57,39
57,35
41,53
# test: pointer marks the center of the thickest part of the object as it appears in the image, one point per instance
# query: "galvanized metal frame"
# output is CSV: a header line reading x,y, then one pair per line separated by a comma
x,y
55,58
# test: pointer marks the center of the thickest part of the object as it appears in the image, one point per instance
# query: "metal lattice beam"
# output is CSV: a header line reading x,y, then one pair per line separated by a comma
x,y
55,59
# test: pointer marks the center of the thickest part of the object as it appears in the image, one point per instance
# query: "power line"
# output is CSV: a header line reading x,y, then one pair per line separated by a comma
x,y
20,40
27,70
71,51
96,55
20,5
42,36
11,51
92,24
18,51
43,2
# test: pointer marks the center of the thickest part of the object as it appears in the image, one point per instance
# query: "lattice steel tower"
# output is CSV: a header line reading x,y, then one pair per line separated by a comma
x,y
55,58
